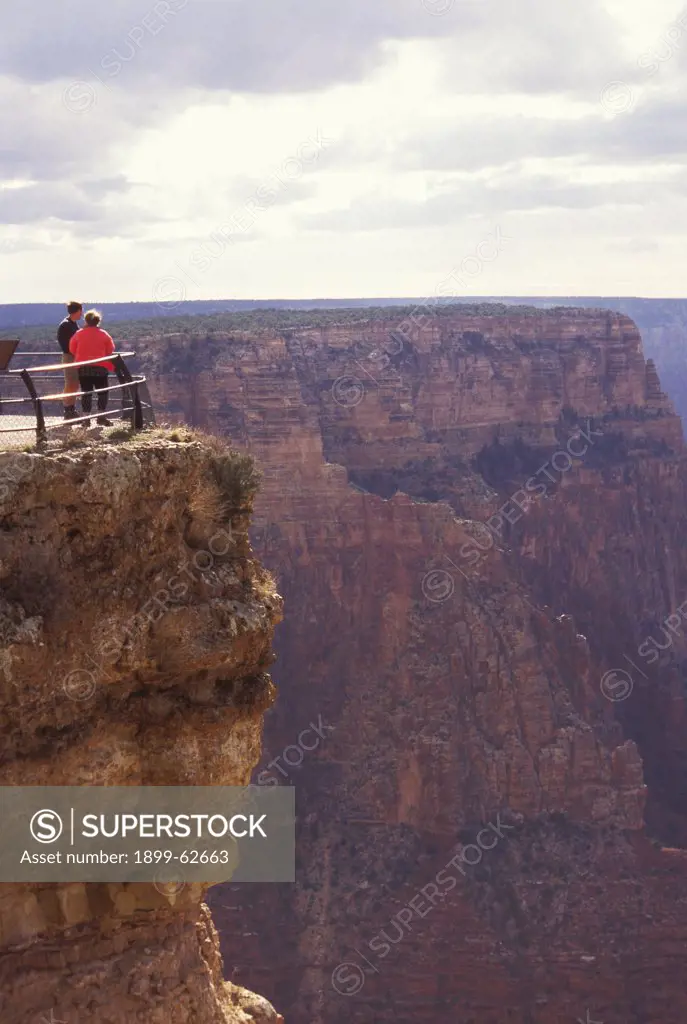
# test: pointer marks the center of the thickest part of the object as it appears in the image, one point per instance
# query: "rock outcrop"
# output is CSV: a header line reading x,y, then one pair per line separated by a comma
x,y
477,523
114,675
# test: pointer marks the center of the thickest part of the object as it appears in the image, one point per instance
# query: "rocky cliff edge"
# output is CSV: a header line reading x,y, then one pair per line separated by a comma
x,y
135,641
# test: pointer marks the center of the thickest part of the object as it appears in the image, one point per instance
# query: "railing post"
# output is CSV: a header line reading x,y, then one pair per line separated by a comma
x,y
124,377
138,411
148,416
121,371
37,405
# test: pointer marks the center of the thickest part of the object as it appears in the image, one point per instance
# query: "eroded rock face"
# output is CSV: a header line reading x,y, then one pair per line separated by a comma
x,y
454,671
136,640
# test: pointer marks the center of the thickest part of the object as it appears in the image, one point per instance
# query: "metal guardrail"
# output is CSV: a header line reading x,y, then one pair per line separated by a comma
x,y
135,405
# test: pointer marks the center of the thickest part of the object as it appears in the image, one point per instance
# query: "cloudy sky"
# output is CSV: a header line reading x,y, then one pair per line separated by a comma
x,y
175,149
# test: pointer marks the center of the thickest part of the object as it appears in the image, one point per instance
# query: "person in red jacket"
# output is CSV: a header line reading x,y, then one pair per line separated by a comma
x,y
91,342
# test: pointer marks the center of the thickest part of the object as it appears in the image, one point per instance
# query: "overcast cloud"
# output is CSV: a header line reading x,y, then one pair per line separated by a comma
x,y
133,133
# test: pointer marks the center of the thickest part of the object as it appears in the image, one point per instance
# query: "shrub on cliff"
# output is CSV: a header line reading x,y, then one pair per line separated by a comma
x,y
237,478
234,472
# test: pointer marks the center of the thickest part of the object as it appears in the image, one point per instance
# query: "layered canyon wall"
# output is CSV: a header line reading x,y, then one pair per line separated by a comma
x,y
477,525
136,631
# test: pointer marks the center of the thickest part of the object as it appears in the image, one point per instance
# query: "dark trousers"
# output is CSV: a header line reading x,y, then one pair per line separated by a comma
x,y
89,382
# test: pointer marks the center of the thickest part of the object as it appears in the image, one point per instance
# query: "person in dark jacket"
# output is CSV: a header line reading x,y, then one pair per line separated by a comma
x,y
91,342
65,333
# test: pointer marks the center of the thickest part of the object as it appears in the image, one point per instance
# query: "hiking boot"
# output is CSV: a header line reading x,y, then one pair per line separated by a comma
x,y
104,422
70,412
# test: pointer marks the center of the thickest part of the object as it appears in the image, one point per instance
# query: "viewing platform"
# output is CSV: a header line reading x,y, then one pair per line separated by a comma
x,y
32,397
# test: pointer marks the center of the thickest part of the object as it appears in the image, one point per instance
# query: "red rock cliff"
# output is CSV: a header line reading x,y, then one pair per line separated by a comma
x,y
452,676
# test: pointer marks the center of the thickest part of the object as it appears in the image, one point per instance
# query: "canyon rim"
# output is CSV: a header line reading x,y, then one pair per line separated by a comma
x,y
475,521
